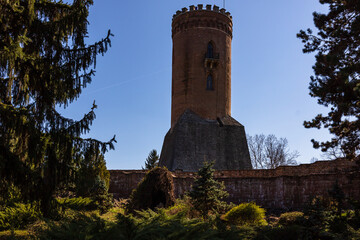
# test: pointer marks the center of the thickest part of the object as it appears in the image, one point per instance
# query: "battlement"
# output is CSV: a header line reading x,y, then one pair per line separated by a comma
x,y
200,7
199,17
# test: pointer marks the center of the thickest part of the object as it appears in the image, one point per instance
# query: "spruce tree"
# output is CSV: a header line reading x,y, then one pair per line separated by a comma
x,y
336,80
92,175
44,64
207,193
152,160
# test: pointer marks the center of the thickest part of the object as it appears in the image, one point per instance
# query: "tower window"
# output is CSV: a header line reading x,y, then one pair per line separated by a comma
x,y
210,51
209,82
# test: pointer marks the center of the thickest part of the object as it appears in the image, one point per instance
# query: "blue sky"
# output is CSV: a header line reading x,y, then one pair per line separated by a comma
x,y
132,86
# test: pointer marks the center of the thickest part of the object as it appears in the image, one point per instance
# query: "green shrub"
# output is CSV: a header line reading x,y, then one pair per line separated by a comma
x,y
79,227
18,216
9,194
207,193
92,178
78,203
178,208
158,225
104,202
246,214
182,207
291,218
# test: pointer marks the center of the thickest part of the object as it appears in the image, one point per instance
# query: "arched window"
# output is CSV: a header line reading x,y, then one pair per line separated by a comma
x,y
210,51
209,82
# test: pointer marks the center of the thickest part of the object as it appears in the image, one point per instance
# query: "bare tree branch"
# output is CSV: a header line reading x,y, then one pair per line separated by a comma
x,y
270,152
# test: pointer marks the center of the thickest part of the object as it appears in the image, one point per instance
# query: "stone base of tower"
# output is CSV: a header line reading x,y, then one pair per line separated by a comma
x,y
194,140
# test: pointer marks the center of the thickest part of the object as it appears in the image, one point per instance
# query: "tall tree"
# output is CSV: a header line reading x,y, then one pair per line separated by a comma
x,y
44,64
336,80
269,152
152,160
207,193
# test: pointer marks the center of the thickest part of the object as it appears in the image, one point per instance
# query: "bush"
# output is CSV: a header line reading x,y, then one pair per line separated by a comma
x,y
100,202
104,202
155,190
18,216
92,179
79,227
207,193
78,203
183,207
291,218
158,225
246,214
179,208
9,194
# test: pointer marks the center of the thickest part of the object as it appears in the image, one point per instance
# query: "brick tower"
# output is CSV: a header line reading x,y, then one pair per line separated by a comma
x,y
202,128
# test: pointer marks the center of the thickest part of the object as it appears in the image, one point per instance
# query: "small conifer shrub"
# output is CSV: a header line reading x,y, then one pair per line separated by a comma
x,y
18,216
207,193
246,214
290,218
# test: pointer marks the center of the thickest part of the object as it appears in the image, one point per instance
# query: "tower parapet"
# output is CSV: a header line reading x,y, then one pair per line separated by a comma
x,y
197,17
199,7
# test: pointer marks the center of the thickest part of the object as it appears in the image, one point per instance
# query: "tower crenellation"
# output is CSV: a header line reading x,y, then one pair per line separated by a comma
x,y
207,16
199,7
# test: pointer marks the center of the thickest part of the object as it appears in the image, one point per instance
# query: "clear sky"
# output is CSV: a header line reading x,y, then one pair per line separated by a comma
x,y
132,86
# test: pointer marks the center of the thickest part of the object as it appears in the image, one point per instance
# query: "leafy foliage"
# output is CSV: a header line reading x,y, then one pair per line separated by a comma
x,y
175,223
155,190
77,203
152,160
9,195
327,218
246,214
147,225
44,64
336,80
291,218
92,178
18,216
207,193
79,227
269,152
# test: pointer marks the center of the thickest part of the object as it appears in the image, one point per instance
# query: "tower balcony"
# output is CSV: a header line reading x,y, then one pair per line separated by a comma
x,y
211,61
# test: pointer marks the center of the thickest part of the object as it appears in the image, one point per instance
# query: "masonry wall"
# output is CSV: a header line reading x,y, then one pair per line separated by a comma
x,y
285,188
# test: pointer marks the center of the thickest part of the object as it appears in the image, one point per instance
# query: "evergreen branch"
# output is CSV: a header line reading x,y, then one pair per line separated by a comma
x,y
94,46
87,142
59,124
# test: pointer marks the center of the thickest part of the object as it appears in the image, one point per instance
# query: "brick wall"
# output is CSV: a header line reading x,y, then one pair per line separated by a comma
x,y
287,187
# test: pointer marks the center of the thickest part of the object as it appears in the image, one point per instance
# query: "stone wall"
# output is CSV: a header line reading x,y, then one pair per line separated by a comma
x,y
194,140
288,187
